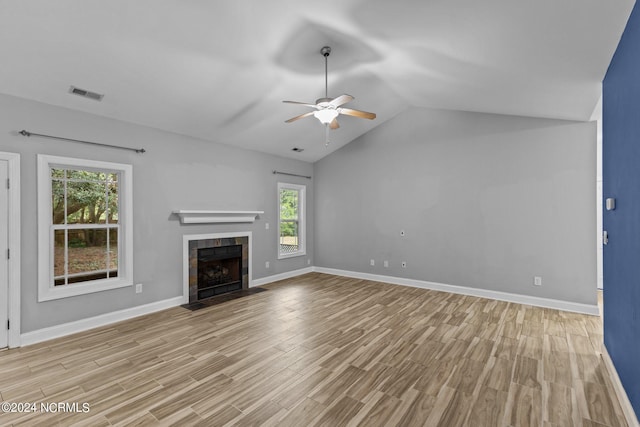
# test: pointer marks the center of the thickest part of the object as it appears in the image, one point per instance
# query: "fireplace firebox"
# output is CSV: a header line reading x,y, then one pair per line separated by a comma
x,y
219,270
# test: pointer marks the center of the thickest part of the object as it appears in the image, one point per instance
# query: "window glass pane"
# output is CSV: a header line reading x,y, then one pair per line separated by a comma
x,y
86,202
291,220
289,241
113,252
86,175
288,204
87,251
58,253
57,201
112,207
57,173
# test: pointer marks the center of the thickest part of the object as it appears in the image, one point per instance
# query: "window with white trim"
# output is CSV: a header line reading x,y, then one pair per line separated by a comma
x,y
291,220
85,240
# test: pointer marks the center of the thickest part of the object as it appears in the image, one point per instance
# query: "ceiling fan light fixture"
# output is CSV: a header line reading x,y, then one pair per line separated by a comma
x,y
326,116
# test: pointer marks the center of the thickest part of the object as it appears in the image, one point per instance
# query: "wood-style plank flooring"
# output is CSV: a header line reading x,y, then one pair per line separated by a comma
x,y
321,350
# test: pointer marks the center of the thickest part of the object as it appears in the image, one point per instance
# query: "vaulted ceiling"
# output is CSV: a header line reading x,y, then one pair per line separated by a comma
x,y
219,70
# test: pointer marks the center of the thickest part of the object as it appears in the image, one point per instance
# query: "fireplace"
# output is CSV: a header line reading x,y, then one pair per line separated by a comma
x,y
215,265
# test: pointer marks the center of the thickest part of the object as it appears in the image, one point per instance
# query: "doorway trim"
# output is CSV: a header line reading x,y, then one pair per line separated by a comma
x,y
13,160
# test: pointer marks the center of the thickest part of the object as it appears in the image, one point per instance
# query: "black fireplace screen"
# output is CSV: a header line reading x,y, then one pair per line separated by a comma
x,y
219,270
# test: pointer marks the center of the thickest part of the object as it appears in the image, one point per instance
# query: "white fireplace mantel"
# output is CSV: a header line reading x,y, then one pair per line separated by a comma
x,y
208,217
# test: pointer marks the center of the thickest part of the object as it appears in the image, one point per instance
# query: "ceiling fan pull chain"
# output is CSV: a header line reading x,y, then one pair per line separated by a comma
x,y
326,142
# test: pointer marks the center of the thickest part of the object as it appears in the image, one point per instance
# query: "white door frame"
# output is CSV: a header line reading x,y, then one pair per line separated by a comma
x,y
13,160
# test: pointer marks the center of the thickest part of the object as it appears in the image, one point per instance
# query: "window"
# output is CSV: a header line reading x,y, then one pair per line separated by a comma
x,y
84,226
291,221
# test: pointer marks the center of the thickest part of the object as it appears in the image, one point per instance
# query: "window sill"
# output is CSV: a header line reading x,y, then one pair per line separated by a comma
x,y
66,291
293,255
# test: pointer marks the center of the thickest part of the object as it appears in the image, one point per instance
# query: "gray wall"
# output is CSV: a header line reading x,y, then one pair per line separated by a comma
x,y
486,201
177,172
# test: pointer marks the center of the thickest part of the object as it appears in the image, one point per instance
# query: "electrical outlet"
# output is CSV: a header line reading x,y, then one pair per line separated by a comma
x,y
372,262
386,264
404,264
308,261
139,288
266,264
537,281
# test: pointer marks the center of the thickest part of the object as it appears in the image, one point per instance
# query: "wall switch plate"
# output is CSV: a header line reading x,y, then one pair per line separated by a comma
x,y
372,262
404,264
386,264
537,281
266,264
266,225
139,288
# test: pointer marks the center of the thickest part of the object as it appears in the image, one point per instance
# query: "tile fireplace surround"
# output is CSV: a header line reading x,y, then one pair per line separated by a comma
x,y
191,244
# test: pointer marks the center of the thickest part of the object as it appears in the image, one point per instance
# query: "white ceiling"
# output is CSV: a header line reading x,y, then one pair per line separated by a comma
x,y
218,70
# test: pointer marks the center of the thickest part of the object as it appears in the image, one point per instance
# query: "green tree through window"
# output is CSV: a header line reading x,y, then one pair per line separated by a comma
x,y
291,219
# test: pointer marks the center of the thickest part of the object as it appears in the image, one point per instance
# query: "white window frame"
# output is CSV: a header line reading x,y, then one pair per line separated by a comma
x,y
46,290
302,222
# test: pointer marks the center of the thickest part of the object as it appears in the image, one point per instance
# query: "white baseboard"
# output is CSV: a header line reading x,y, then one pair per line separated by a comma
x,y
621,394
483,293
281,276
82,325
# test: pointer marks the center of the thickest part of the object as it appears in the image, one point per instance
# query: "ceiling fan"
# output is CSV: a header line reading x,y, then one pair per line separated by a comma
x,y
328,109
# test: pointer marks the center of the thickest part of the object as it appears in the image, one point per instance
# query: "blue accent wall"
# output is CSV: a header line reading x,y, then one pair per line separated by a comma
x,y
621,180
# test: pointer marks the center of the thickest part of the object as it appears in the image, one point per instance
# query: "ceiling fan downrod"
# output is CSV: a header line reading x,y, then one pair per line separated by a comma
x,y
326,51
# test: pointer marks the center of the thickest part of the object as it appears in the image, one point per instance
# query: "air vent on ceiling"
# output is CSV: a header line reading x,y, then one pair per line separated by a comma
x,y
85,93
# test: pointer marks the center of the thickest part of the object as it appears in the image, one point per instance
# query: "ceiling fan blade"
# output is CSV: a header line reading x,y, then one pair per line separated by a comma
x,y
334,124
357,113
301,116
341,100
301,103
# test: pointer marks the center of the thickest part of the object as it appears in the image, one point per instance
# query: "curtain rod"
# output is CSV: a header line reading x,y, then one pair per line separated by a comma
x,y
27,133
291,174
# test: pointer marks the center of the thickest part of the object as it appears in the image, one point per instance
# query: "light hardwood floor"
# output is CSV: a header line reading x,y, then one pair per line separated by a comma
x,y
321,350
